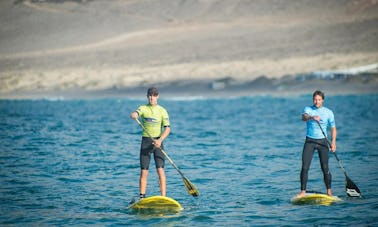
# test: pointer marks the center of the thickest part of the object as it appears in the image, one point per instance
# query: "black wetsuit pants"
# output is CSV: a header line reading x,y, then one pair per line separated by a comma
x,y
309,147
146,149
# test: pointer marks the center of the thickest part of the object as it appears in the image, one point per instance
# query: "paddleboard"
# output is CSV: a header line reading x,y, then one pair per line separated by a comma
x,y
156,203
315,199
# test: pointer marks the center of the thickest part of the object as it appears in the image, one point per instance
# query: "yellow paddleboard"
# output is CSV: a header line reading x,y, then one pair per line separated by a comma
x,y
156,203
315,199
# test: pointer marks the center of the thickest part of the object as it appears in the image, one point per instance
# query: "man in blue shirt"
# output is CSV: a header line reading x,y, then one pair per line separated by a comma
x,y
315,140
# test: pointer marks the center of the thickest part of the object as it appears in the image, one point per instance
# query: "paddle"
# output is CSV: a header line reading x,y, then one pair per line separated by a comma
x,y
351,188
190,187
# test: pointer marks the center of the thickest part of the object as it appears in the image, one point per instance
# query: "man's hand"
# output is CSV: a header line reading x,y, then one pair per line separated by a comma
x,y
306,117
333,146
134,115
316,118
157,143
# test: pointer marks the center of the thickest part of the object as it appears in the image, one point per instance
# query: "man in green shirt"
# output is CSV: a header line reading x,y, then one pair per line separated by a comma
x,y
155,120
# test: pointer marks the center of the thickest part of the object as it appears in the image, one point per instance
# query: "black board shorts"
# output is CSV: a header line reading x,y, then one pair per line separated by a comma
x,y
146,149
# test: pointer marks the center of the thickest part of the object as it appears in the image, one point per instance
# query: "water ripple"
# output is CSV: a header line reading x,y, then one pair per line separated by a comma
x,y
75,163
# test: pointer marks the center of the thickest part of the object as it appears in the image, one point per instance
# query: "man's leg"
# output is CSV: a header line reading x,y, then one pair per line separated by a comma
x,y
307,153
143,182
324,158
162,181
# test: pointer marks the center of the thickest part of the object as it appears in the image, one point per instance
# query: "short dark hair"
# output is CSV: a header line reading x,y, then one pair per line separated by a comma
x,y
318,93
152,91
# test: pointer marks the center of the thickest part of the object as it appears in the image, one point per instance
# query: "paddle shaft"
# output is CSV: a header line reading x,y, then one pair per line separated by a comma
x,y
190,187
351,188
162,150
329,144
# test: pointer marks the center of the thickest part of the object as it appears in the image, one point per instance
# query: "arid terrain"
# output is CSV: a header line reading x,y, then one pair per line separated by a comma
x,y
185,47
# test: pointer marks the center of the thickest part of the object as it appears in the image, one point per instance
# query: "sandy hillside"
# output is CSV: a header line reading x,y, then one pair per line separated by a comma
x,y
48,46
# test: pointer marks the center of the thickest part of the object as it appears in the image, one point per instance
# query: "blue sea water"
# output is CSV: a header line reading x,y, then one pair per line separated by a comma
x,y
76,162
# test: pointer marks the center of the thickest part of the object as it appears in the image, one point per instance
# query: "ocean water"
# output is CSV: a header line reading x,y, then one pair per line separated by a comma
x,y
76,162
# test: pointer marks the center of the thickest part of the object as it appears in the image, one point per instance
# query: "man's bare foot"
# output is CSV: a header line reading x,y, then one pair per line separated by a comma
x,y
329,192
301,194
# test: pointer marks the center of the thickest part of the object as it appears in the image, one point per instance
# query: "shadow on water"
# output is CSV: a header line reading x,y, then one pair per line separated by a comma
x,y
154,213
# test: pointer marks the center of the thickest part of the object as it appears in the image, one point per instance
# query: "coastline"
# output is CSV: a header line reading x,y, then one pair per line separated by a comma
x,y
221,88
94,49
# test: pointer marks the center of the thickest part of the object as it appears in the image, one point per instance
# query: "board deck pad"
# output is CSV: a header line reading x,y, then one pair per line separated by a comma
x,y
315,199
156,203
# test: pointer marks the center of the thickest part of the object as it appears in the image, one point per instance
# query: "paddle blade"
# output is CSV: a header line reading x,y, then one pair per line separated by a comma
x,y
190,187
351,188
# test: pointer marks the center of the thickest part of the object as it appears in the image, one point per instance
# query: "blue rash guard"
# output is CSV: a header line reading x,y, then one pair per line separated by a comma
x,y
326,119
315,141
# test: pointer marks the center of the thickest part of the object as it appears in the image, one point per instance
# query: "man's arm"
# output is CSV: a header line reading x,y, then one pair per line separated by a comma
x,y
333,135
164,135
307,117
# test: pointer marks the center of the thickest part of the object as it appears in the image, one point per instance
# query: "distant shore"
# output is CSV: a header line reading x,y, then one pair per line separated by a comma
x,y
227,87
94,48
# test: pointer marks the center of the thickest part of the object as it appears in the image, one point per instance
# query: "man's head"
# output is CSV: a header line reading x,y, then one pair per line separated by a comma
x,y
318,98
152,95
152,91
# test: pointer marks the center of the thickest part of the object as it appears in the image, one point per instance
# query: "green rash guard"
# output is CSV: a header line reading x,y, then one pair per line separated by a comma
x,y
153,119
